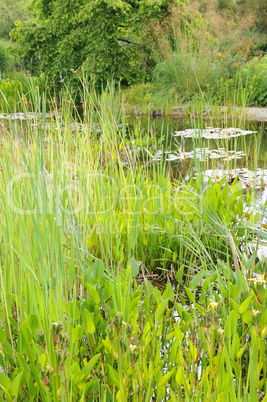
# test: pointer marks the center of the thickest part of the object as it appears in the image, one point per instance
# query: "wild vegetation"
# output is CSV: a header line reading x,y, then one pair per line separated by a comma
x,y
132,267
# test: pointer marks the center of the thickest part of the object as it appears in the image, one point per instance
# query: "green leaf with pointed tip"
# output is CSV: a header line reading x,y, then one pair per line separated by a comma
x,y
190,295
161,309
114,376
168,292
98,270
5,382
93,293
196,280
14,388
78,332
180,273
245,305
134,265
91,364
163,381
88,322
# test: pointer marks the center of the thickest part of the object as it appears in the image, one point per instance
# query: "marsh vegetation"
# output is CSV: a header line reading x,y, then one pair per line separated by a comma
x,y
133,249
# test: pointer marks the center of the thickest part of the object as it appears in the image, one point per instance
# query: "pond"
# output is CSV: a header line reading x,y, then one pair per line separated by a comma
x,y
230,149
217,148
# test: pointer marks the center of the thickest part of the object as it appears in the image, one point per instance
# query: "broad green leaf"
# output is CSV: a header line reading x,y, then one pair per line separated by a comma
x,y
179,274
241,281
134,266
114,376
179,378
245,305
161,309
163,381
247,317
72,310
32,322
78,332
5,382
91,364
190,295
193,351
168,292
196,279
88,322
187,317
97,272
93,293
14,388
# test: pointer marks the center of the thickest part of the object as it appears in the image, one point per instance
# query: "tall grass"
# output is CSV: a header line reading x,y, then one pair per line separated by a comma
x,y
186,73
83,212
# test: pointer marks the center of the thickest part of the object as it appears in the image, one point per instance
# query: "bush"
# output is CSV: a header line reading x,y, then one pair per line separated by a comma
x,y
14,87
254,76
4,57
186,74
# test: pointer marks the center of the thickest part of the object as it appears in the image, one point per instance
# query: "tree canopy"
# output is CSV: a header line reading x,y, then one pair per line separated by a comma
x,y
105,38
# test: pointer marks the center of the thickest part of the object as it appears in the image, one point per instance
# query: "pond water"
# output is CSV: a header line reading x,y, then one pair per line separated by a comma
x,y
231,149
218,148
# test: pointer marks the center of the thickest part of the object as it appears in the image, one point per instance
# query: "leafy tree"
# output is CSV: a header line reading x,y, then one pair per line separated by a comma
x,y
11,11
104,38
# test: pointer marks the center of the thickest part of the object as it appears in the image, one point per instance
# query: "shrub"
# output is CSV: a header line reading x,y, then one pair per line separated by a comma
x,y
4,58
186,74
254,76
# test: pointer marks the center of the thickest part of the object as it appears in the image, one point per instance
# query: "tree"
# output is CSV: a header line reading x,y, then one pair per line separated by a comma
x,y
11,11
105,38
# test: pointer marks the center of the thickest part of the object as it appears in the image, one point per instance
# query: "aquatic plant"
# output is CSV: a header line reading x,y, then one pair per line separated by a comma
x,y
85,236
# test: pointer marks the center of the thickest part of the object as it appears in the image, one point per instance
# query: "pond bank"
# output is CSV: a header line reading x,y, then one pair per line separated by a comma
x,y
250,113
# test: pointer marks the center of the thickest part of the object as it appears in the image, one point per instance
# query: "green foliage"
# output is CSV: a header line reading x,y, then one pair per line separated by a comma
x,y
254,76
104,39
4,57
10,12
16,89
185,74
85,218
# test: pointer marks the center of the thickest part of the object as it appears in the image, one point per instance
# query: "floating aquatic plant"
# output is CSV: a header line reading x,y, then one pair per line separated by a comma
x,y
213,133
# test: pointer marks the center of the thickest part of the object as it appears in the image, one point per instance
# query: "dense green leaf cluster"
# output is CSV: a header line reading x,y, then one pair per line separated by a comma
x,y
103,39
